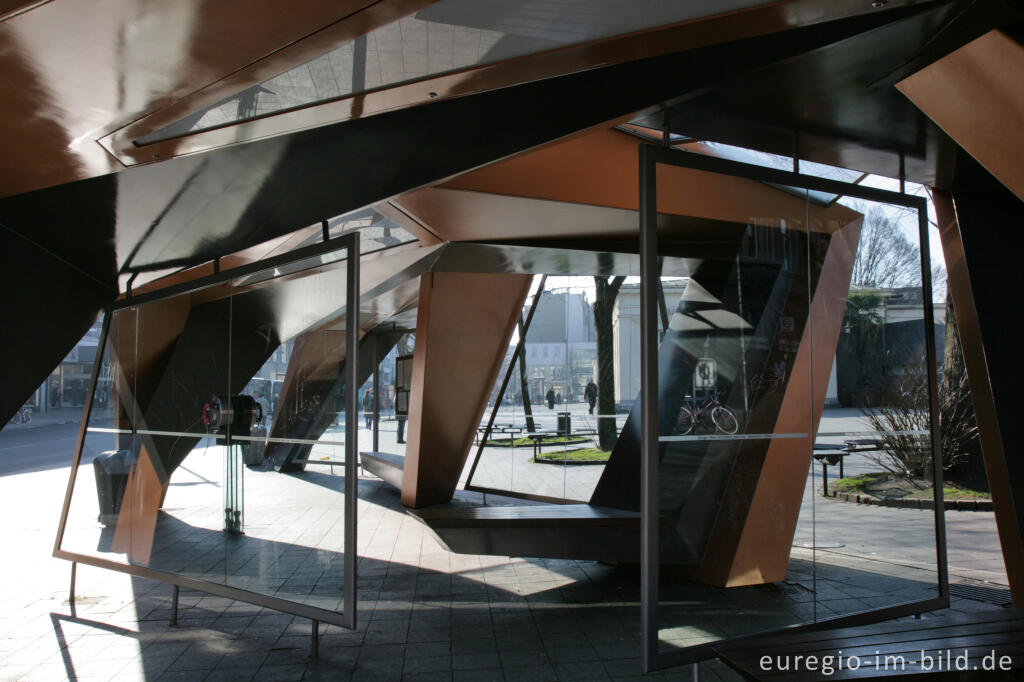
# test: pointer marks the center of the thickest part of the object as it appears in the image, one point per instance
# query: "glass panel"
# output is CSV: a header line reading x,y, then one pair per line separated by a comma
x,y
493,466
734,415
796,355
205,405
293,449
547,440
178,483
376,232
446,36
877,426
98,522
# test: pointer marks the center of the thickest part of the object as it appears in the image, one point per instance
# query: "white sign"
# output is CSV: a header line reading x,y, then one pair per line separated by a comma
x,y
705,374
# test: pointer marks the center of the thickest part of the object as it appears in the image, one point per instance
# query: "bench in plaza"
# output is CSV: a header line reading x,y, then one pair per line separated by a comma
x,y
834,453
385,466
968,645
552,531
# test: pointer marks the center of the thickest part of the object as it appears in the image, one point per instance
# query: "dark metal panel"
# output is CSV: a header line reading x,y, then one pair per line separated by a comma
x,y
56,281
837,105
982,273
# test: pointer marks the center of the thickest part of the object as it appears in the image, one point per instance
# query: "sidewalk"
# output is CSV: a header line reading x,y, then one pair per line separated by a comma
x,y
424,613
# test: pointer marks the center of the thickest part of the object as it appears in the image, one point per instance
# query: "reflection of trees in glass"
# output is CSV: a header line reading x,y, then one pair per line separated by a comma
x,y
607,289
861,343
906,408
885,257
906,413
904,416
956,412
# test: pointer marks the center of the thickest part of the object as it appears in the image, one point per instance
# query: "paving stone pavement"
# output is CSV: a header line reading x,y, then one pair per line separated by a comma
x,y
427,614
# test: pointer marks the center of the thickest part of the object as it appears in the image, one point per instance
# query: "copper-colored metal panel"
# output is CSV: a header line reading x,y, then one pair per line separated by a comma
x,y
598,169
143,497
462,332
992,447
767,18
759,552
76,71
408,222
976,95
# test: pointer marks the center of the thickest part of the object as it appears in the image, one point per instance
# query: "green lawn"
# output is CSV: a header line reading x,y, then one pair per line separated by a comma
x,y
579,455
883,484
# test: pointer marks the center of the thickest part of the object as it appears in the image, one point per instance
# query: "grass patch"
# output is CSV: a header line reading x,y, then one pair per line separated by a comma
x,y
885,485
525,442
579,455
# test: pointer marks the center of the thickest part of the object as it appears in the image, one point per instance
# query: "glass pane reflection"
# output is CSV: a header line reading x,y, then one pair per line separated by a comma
x,y
734,425
209,400
446,36
558,422
783,366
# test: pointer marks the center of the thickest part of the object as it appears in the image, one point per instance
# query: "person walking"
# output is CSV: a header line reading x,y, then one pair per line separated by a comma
x,y
590,393
550,397
368,408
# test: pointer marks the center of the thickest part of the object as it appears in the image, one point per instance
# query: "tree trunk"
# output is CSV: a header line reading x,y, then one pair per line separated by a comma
x,y
524,388
604,303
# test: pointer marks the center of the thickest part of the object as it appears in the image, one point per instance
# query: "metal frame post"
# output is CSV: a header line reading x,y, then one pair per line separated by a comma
x,y
351,426
375,341
931,357
649,288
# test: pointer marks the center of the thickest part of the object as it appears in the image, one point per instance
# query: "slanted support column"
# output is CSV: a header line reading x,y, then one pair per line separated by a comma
x,y
751,539
463,328
980,230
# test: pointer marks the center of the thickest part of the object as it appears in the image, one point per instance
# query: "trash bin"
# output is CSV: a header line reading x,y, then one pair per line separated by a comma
x,y
254,450
564,424
112,469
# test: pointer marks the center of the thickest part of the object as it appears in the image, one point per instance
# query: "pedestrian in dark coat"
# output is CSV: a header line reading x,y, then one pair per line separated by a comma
x,y
590,393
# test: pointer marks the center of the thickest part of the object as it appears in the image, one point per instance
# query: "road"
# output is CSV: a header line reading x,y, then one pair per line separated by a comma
x,y
47,447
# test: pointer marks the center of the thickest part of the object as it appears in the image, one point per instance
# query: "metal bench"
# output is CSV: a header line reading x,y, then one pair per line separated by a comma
x,y
385,466
552,531
834,453
537,439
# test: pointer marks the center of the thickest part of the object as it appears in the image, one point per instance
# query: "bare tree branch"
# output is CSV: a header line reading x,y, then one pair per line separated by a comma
x,y
885,257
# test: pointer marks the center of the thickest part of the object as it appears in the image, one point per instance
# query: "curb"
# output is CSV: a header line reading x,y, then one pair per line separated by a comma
x,y
948,505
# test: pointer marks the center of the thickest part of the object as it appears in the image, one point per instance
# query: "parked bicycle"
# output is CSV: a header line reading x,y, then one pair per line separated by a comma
x,y
22,416
709,412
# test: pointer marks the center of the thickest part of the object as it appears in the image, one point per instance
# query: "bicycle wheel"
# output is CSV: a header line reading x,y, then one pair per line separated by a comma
x,y
684,423
725,420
